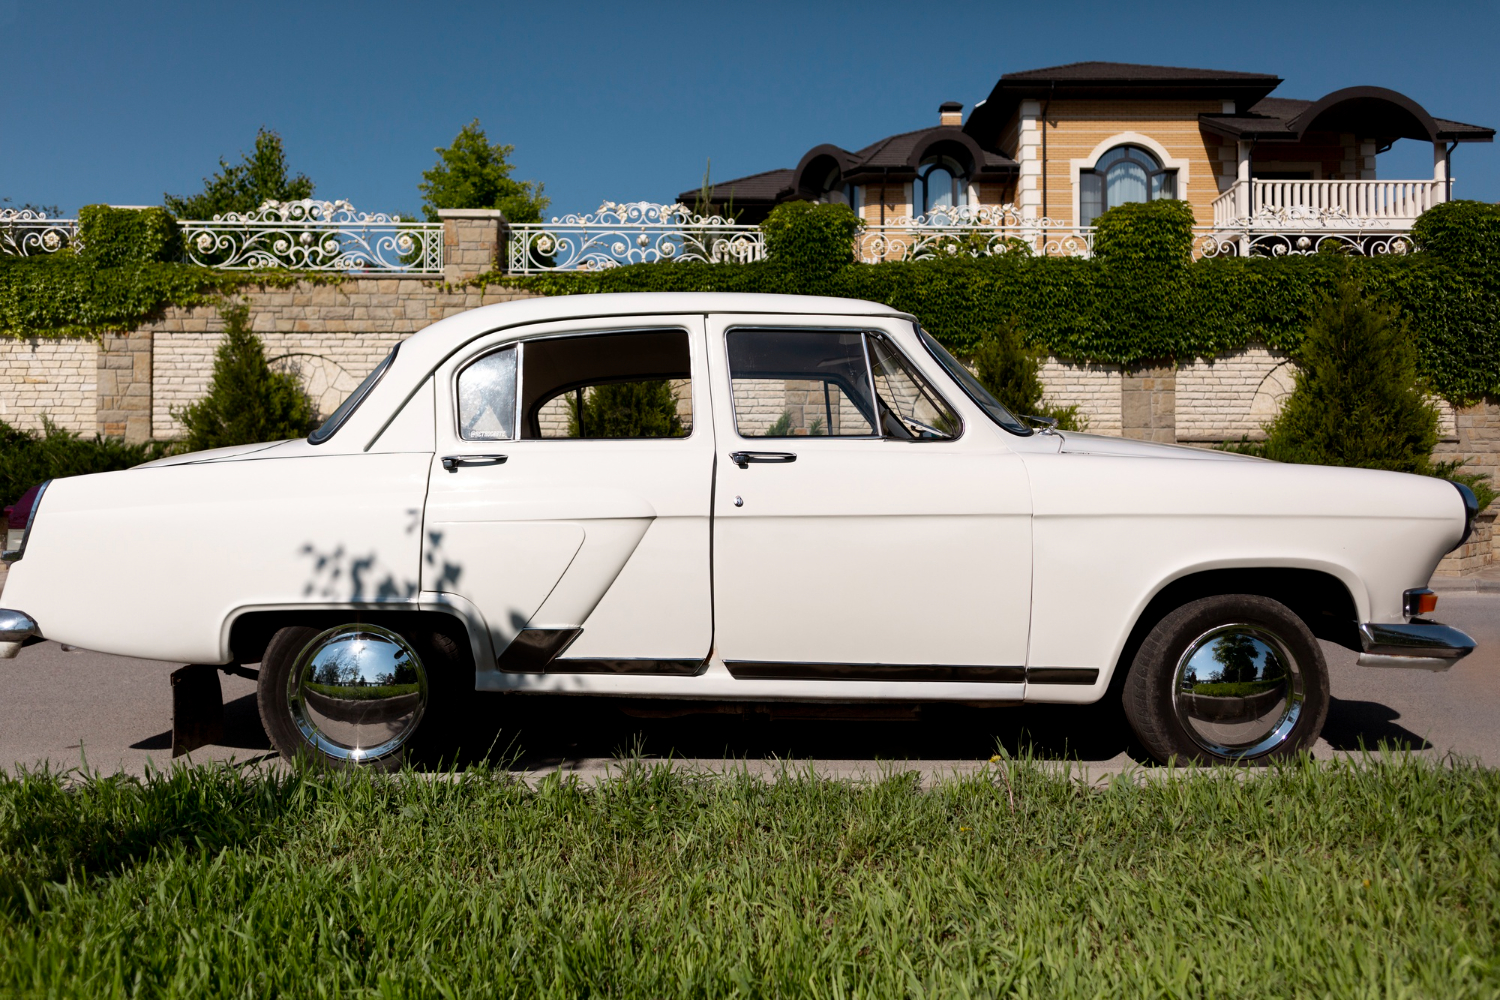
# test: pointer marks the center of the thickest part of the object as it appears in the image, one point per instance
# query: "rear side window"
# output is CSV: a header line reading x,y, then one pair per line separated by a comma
x,y
346,409
487,398
617,386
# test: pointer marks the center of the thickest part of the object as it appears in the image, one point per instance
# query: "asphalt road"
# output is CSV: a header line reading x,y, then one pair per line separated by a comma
x,y
69,708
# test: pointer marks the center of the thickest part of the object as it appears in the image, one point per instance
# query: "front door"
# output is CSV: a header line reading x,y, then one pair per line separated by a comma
x,y
866,525
569,496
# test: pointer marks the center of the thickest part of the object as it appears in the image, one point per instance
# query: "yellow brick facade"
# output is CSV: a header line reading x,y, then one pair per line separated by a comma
x,y
1076,129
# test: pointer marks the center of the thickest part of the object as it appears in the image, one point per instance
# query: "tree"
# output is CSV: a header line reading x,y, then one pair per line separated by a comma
x,y
1011,371
247,400
242,187
627,410
472,173
1359,398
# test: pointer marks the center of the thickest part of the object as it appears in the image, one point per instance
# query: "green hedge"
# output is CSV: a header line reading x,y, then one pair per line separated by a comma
x,y
1141,300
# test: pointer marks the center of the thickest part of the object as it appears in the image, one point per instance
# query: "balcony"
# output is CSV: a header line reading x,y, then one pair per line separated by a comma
x,y
1351,207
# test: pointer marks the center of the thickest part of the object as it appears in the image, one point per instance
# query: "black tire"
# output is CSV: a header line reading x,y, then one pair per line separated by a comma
x,y
1184,725
441,657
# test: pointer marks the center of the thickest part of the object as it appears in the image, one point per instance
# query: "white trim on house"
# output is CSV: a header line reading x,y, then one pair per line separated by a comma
x,y
1168,161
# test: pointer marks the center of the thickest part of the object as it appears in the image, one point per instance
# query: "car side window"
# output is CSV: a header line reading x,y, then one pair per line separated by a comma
x,y
623,385
487,397
795,383
909,406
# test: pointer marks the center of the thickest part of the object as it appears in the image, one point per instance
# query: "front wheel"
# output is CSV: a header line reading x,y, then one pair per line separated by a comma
x,y
1227,679
353,695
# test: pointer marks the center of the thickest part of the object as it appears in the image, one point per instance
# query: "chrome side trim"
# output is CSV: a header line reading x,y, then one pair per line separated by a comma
x,y
1062,675
533,648
1416,639
674,668
788,670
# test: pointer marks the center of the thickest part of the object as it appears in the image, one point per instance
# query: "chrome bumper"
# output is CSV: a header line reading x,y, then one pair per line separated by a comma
x,y
1419,645
15,630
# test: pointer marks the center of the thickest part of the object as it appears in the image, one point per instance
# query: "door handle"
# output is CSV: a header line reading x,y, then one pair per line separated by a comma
x,y
452,462
744,458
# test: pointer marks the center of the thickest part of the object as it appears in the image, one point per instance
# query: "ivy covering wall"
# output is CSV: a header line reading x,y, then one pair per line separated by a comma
x,y
1141,298
127,271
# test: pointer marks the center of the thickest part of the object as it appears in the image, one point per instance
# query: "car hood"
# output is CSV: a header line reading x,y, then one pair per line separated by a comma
x,y
212,455
1074,443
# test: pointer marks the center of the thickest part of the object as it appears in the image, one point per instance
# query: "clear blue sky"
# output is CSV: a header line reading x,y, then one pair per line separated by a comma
x,y
119,102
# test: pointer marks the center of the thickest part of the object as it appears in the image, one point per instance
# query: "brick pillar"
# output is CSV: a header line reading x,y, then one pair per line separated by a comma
x,y
474,241
1148,404
124,409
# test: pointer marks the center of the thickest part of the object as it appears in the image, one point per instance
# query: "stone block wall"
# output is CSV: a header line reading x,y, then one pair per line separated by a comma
x,y
1094,389
57,379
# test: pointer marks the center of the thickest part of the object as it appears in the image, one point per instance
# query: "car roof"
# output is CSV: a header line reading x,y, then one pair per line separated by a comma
x,y
424,350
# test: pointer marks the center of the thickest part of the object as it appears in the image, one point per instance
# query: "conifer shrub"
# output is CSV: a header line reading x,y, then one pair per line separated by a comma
x,y
248,401
627,410
1359,398
1011,371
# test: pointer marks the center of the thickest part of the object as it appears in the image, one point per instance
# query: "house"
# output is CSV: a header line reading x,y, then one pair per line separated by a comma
x,y
1067,143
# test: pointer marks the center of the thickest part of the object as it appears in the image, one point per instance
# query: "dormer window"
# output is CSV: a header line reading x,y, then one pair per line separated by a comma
x,y
942,184
1122,175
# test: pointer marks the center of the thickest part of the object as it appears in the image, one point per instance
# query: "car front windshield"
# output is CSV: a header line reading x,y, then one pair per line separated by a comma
x,y
976,391
347,407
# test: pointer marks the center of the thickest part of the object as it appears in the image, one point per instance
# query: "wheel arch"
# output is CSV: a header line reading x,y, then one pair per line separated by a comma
x,y
1324,602
249,630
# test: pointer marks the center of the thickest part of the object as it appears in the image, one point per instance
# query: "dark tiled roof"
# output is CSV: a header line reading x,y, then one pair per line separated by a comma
x,y
1100,72
889,157
766,186
1110,81
1281,118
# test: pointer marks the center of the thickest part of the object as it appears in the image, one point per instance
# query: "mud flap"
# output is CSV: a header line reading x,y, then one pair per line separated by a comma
x,y
197,707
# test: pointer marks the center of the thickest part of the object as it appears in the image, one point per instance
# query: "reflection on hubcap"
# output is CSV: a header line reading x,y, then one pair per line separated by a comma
x,y
1237,691
357,692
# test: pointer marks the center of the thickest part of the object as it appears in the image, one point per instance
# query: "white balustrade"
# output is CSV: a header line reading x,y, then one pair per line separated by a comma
x,y
1297,204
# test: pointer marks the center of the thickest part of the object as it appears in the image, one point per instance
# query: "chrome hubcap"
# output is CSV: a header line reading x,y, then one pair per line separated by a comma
x,y
1237,691
357,692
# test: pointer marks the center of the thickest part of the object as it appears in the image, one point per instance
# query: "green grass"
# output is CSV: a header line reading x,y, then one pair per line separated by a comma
x,y
1320,881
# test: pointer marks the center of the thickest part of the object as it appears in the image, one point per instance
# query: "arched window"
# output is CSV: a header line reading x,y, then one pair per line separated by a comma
x,y
833,191
1122,175
941,184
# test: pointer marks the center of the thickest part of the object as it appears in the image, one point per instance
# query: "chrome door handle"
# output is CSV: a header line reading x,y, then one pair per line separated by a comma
x,y
452,462
744,458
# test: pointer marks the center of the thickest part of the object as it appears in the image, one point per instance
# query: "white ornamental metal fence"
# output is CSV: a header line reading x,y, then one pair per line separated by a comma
x,y
637,232
309,235
313,235
982,231
25,233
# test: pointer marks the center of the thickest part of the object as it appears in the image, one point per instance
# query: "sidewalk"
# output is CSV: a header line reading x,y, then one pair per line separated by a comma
x,y
1484,582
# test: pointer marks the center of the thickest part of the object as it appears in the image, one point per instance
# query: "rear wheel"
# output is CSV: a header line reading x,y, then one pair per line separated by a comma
x,y
352,695
1228,679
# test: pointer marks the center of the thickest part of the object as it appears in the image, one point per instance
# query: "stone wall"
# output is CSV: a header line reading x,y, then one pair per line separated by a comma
x,y
57,379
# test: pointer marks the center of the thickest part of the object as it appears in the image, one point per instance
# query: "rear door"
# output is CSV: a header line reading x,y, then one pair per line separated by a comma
x,y
864,527
569,496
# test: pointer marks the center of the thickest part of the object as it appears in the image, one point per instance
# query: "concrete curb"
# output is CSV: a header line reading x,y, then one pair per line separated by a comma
x,y
1481,584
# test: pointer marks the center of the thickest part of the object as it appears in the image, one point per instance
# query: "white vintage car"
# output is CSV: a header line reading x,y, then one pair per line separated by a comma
x,y
834,511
